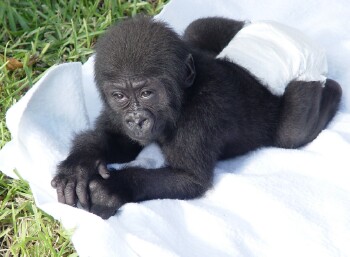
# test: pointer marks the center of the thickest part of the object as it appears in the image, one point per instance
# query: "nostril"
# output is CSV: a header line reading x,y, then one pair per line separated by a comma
x,y
141,122
130,121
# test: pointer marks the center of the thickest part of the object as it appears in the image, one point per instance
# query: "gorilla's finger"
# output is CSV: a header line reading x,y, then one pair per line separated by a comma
x,y
103,170
70,194
83,194
60,193
54,182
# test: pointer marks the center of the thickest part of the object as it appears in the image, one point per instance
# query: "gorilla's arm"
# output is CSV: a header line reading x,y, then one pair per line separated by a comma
x,y
90,152
190,158
139,184
212,34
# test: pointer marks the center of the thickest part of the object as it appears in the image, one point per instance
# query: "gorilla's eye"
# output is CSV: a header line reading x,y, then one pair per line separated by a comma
x,y
118,95
146,94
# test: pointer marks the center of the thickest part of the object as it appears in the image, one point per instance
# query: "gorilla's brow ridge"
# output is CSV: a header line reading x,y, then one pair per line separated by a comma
x,y
127,83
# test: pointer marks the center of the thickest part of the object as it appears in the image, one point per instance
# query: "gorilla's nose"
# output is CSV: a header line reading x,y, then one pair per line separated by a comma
x,y
140,122
136,120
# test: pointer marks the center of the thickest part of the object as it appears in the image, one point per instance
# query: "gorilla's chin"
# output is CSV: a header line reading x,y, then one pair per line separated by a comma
x,y
143,136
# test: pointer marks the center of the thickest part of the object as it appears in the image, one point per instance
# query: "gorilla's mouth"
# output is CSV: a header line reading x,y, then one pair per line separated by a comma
x,y
143,137
141,130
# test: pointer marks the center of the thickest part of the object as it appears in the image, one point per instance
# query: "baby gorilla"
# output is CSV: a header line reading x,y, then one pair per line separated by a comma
x,y
158,87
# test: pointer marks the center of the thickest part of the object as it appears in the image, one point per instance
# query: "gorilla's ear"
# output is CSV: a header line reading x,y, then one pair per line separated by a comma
x,y
190,71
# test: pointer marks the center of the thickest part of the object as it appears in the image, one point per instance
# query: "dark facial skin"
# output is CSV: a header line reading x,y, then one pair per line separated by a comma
x,y
137,101
158,87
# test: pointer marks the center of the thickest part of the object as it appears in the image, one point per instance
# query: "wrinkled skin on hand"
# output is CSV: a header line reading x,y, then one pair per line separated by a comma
x,y
72,180
107,195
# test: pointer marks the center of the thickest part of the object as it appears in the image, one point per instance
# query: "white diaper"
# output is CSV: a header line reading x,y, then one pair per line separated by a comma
x,y
276,54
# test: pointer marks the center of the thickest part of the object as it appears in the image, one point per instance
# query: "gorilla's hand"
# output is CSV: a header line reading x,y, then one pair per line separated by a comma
x,y
72,179
108,195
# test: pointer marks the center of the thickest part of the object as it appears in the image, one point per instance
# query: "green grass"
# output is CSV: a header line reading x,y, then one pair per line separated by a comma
x,y
25,230
35,35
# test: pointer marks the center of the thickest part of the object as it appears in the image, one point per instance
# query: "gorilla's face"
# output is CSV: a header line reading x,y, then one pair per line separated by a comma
x,y
141,105
142,77
148,103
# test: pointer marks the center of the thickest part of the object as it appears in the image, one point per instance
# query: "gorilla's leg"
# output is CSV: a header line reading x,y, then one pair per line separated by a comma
x,y
212,34
307,108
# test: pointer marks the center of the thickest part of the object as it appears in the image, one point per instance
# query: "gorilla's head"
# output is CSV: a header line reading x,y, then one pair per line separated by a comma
x,y
142,68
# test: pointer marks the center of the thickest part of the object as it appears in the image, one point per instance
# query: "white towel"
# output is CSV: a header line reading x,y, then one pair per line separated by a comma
x,y
271,202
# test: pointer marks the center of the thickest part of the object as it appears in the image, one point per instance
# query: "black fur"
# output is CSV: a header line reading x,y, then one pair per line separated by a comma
x,y
157,87
211,34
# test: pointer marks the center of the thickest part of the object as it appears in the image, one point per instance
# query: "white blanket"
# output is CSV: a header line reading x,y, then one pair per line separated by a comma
x,y
271,202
